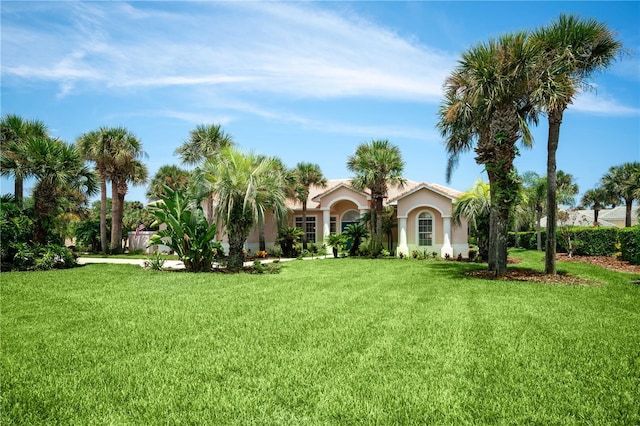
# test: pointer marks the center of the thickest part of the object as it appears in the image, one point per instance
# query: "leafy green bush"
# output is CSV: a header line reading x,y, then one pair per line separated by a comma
x,y
53,256
356,232
630,244
337,243
587,241
288,237
155,262
188,234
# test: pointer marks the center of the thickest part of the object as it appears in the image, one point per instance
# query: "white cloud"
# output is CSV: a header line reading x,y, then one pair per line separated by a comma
x,y
590,102
279,48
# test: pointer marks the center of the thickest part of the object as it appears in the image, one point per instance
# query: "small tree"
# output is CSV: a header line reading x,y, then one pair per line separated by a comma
x,y
337,243
356,232
188,234
288,237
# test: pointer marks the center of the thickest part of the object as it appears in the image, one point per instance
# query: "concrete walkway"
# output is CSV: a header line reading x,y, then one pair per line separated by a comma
x,y
168,264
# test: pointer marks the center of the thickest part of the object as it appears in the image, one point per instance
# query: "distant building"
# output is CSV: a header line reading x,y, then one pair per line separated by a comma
x,y
608,218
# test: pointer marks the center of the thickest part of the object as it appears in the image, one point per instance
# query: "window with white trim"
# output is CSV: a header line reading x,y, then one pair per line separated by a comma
x,y
333,225
425,229
311,227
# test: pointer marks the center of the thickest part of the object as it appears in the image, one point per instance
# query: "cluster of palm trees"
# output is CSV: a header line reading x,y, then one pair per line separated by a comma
x,y
116,154
498,89
62,180
620,184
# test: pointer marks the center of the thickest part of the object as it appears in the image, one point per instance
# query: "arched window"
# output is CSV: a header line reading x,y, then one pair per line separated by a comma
x,y
425,229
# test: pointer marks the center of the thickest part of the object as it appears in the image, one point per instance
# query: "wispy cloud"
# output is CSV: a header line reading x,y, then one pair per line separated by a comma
x,y
601,104
282,48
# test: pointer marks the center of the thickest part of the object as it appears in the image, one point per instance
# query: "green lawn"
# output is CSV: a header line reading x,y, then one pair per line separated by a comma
x,y
335,341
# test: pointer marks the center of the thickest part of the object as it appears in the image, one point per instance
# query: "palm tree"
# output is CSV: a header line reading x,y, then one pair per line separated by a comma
x,y
124,167
305,175
570,50
245,187
623,183
535,186
486,107
596,198
172,176
355,232
205,141
57,167
14,132
95,146
377,165
475,206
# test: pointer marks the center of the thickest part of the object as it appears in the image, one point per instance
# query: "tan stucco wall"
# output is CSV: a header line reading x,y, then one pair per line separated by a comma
x,y
424,197
344,193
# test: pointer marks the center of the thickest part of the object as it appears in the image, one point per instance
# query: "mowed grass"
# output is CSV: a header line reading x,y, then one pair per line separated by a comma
x,y
335,341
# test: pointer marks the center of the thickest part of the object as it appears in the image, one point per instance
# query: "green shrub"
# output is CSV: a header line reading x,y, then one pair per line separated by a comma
x,y
630,244
155,262
188,234
288,238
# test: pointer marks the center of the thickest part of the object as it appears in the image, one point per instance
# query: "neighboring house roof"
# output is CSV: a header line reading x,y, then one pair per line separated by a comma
x,y
580,218
618,213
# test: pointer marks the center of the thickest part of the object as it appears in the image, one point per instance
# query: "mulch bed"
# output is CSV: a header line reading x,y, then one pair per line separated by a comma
x,y
515,274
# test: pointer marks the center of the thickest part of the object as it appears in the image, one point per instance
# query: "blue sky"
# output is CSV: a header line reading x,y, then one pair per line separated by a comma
x,y
302,81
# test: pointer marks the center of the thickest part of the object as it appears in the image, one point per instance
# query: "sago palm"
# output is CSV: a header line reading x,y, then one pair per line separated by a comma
x,y
475,206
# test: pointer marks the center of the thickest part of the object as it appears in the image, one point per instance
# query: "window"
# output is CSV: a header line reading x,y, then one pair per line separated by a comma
x,y
425,229
311,227
333,225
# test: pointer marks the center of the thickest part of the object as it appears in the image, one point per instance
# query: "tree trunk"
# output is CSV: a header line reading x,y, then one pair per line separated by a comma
x,y
42,208
209,202
304,225
18,190
538,229
103,216
493,229
502,233
237,237
596,211
118,191
555,119
627,216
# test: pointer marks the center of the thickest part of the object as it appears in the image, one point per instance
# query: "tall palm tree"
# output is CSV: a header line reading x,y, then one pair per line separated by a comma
x,y
95,147
475,206
623,183
170,175
487,107
305,175
596,199
376,165
57,167
570,50
205,141
245,186
14,132
125,167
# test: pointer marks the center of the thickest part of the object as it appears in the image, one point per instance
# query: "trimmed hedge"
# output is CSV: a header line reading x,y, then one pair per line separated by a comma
x,y
630,244
595,241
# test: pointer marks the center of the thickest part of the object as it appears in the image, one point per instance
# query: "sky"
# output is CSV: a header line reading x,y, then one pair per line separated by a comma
x,y
304,81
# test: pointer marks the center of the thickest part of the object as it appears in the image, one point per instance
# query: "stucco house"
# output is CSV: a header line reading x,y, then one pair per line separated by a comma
x,y
423,212
607,218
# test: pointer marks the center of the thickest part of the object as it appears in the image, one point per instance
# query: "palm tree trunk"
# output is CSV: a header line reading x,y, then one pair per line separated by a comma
x,y
596,212
18,190
42,206
236,244
538,229
304,225
555,119
117,207
502,233
627,216
103,215
209,201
